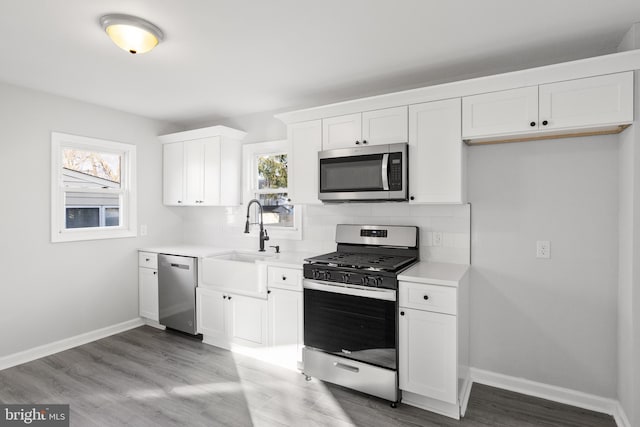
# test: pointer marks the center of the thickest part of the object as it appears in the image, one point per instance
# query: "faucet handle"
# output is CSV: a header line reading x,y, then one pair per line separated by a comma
x,y
266,236
277,248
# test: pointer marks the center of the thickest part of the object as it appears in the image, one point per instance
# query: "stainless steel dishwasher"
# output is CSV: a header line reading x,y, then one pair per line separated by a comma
x,y
177,280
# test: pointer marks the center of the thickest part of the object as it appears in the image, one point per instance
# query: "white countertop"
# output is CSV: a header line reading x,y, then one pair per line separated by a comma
x,y
435,273
186,250
283,259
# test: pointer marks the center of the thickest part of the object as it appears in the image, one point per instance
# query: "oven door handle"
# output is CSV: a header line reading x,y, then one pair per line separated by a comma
x,y
361,291
385,171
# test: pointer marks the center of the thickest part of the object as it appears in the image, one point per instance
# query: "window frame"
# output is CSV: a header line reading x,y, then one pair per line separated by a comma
x,y
250,152
126,192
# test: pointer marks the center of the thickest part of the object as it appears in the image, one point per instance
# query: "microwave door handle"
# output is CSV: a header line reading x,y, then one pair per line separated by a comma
x,y
385,173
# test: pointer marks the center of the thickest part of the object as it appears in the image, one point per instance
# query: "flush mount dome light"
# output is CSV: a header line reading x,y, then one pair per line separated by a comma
x,y
133,34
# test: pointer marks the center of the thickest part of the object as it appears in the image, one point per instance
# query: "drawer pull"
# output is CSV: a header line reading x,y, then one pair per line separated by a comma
x,y
147,259
155,272
284,277
346,367
426,297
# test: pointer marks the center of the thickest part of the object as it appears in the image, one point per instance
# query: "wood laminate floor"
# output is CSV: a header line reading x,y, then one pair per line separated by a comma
x,y
148,377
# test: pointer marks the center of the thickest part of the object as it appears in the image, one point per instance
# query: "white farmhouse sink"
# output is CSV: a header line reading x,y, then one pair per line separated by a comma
x,y
235,271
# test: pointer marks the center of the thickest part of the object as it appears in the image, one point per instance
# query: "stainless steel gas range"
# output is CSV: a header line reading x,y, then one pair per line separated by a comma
x,y
351,308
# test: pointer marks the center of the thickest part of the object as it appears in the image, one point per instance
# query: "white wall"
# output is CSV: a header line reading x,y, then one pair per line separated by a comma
x,y
225,226
548,320
53,291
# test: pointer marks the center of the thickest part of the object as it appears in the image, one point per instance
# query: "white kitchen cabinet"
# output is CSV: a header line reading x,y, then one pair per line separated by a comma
x,y
286,324
225,319
385,126
286,319
437,155
584,102
428,358
306,141
500,113
601,104
433,346
148,286
195,164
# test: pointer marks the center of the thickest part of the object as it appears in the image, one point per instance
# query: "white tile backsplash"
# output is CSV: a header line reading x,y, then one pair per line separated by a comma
x,y
224,227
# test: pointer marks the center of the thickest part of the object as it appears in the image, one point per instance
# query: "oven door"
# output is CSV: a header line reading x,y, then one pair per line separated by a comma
x,y
366,173
355,323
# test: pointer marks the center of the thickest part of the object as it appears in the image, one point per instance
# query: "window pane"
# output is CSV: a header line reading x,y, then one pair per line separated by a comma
x,y
272,171
112,217
83,217
276,209
105,206
90,169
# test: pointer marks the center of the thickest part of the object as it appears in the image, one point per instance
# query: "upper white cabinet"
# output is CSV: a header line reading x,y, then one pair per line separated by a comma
x,y
195,163
306,140
437,155
582,106
386,126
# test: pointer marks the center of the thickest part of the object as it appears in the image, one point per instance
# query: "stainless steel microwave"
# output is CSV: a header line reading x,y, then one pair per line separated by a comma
x,y
375,172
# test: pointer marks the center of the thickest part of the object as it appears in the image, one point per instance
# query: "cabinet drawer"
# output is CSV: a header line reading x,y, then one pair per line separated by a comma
x,y
440,299
285,278
148,259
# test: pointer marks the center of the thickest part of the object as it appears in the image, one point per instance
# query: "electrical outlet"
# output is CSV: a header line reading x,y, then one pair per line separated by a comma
x,y
543,249
437,238
143,230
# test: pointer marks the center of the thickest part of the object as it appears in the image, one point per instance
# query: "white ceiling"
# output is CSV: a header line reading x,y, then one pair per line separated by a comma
x,y
228,58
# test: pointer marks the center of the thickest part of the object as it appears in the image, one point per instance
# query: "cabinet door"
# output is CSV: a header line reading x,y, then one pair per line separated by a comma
x,y
342,131
587,102
497,113
172,173
211,169
306,140
211,317
230,172
428,354
436,153
285,323
247,319
388,126
148,293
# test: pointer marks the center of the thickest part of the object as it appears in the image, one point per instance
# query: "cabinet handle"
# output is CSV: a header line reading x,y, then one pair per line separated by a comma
x,y
402,313
426,297
364,141
357,142
229,296
288,200
412,198
284,277
224,297
544,123
155,272
147,259
179,201
532,124
269,291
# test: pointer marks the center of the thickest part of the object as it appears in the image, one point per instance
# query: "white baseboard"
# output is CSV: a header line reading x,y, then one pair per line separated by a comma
x,y
67,343
153,324
549,392
621,417
466,392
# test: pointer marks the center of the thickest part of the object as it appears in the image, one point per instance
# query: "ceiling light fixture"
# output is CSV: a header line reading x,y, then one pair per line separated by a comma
x,y
133,34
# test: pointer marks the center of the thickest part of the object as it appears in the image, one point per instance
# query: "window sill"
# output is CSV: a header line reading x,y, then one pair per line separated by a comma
x,y
75,235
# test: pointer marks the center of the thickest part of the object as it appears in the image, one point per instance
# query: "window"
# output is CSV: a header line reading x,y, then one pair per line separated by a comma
x,y
92,188
267,180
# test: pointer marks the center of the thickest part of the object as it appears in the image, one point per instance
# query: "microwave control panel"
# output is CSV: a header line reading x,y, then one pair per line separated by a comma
x,y
395,171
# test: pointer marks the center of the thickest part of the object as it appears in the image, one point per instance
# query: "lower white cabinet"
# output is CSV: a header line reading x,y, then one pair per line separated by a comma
x,y
148,286
433,346
225,319
428,362
286,324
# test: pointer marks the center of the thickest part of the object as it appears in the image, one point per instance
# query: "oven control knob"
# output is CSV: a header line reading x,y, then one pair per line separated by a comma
x,y
345,277
316,274
327,275
378,281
